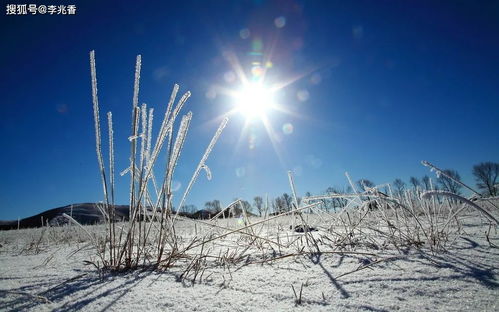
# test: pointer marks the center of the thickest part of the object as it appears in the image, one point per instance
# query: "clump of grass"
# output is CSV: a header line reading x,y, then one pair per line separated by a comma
x,y
132,244
410,219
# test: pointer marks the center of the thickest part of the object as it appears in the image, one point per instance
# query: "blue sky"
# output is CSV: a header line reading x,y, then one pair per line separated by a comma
x,y
373,88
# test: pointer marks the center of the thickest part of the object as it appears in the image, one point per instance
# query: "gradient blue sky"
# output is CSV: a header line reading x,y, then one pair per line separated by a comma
x,y
381,86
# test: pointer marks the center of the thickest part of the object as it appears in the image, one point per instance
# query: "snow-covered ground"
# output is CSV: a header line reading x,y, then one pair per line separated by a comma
x,y
50,274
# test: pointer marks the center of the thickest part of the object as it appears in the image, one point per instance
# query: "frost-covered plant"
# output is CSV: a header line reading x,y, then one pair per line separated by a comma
x,y
131,247
439,172
410,218
428,194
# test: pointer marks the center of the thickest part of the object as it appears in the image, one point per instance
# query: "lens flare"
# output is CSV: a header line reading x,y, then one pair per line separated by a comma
x,y
257,45
254,100
302,95
287,128
244,33
280,22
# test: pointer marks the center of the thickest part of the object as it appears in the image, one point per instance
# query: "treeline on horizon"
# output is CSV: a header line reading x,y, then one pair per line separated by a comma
x,y
486,176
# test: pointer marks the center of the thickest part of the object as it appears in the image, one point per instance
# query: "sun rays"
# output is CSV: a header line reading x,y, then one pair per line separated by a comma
x,y
254,100
259,99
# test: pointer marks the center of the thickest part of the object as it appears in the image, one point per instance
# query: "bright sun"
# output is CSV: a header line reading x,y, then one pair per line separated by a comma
x,y
254,100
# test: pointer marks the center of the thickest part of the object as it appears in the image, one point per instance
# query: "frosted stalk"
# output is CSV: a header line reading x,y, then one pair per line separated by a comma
x,y
162,129
161,138
295,199
203,160
328,196
214,140
179,143
353,187
149,134
132,161
464,200
98,145
136,84
168,126
169,107
441,172
122,173
111,153
143,142
351,183
134,136
83,228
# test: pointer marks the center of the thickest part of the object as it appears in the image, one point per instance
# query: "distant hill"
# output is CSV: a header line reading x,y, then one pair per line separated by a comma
x,y
85,214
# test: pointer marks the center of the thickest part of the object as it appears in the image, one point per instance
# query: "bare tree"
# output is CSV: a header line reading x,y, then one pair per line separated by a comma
x,y
246,206
258,202
213,206
282,203
189,208
216,205
335,202
275,206
426,182
414,182
486,175
399,186
448,181
287,201
208,206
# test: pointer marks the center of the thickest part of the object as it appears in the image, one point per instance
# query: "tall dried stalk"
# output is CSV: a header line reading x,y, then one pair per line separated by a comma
x,y
130,248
